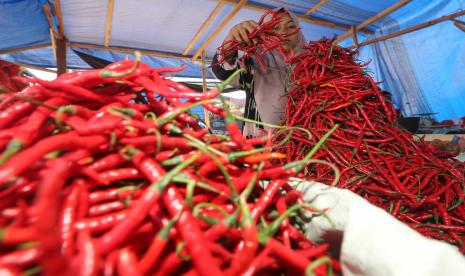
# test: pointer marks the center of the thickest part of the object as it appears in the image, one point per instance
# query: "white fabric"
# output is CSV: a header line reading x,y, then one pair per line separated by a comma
x,y
371,241
163,25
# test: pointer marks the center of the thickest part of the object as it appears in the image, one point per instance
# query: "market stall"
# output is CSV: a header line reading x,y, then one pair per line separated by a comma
x,y
122,166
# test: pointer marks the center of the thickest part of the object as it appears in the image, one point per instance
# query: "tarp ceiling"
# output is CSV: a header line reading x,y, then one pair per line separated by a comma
x,y
424,70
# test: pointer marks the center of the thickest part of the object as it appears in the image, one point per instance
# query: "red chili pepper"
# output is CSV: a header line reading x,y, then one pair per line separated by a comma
x,y
107,207
191,233
249,245
89,261
73,90
170,265
97,225
119,174
113,194
9,271
288,256
161,89
266,198
139,211
29,130
17,235
156,248
67,219
20,258
166,142
14,113
23,160
47,205
127,263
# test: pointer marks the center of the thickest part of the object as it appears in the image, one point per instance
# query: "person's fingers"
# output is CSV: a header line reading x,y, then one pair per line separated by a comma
x,y
249,27
236,36
240,31
229,37
245,36
253,23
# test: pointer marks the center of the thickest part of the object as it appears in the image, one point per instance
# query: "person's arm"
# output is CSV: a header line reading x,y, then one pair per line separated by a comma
x,y
230,62
225,69
239,33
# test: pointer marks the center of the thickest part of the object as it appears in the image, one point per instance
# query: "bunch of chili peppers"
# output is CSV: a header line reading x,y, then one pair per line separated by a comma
x,y
105,172
265,39
377,159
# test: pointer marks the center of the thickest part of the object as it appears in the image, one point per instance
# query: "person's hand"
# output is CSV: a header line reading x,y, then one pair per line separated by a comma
x,y
240,33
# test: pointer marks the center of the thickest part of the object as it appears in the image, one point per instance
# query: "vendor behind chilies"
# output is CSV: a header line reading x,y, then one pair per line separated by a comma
x,y
265,88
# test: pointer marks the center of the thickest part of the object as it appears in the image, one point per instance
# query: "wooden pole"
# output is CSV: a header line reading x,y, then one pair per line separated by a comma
x,y
204,87
459,24
49,18
54,44
130,50
375,18
414,28
458,21
354,36
22,49
60,41
61,28
203,27
219,28
111,4
317,6
61,55
53,34
302,17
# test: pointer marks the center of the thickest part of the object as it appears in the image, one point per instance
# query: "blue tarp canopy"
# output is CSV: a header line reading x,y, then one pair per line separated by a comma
x,y
424,69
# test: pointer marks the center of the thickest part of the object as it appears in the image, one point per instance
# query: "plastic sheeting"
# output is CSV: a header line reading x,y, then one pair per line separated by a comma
x,y
22,24
423,70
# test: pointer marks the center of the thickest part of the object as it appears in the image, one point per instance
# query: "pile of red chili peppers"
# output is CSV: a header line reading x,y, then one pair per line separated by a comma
x,y
264,37
377,159
104,172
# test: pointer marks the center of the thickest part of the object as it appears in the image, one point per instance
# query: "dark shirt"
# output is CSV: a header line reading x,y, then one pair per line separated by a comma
x,y
246,84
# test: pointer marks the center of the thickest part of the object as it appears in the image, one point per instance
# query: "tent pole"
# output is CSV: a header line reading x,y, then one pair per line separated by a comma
x,y
459,24
375,18
61,27
219,28
203,27
301,17
22,49
414,28
111,4
53,34
61,55
354,36
49,19
129,50
54,44
204,87
317,6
